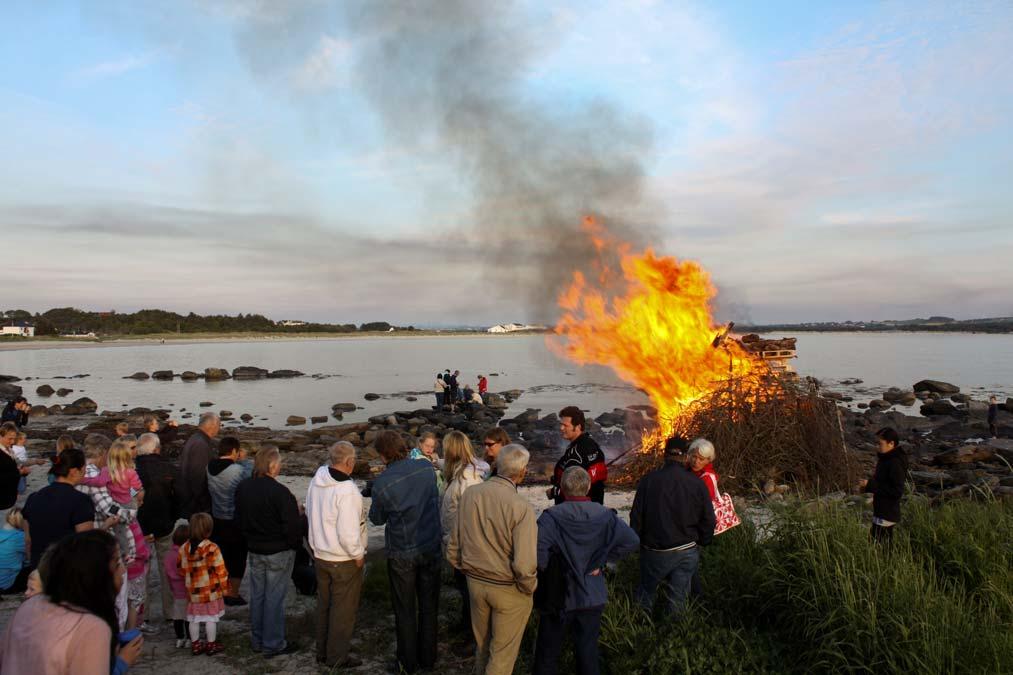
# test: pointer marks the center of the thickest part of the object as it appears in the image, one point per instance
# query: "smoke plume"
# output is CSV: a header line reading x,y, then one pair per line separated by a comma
x,y
453,73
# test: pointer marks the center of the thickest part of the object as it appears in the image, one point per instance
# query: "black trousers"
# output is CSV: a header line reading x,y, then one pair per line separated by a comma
x,y
461,584
585,625
415,594
882,535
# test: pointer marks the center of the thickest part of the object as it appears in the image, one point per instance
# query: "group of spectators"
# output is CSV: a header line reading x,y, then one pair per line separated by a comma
x,y
449,391
86,542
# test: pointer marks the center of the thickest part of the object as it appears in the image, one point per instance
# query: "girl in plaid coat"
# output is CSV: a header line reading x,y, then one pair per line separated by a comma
x,y
203,570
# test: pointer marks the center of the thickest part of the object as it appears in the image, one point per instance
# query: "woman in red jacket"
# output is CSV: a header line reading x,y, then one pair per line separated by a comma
x,y
701,458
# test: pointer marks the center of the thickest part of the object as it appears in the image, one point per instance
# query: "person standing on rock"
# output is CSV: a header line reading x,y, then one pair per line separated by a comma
x,y
337,536
440,388
585,536
157,515
193,464
483,387
673,516
406,500
224,476
583,451
16,411
886,485
993,416
166,434
269,516
494,543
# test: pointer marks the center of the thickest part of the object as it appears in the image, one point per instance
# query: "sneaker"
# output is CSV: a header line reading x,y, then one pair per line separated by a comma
x,y
148,629
290,648
181,642
235,601
213,648
197,648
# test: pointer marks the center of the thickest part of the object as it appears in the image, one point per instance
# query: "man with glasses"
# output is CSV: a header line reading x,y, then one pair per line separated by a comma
x,y
495,439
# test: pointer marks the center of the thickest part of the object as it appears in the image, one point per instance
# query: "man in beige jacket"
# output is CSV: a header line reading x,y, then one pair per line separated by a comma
x,y
495,544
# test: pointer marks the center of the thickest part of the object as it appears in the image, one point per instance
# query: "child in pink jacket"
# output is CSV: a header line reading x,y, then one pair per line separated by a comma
x,y
180,596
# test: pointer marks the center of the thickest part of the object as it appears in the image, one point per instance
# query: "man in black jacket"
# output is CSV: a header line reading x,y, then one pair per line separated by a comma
x,y
886,485
269,517
193,466
157,514
673,515
583,451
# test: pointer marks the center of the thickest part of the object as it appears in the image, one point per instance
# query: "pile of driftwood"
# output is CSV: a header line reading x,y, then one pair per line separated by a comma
x,y
764,429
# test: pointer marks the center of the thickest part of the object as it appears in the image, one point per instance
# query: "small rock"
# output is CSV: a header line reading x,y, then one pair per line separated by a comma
x,y
294,420
63,391
137,376
371,397
344,407
225,414
248,373
45,390
965,455
961,398
411,398
216,374
274,374
162,375
318,419
206,404
879,403
246,417
38,411
188,376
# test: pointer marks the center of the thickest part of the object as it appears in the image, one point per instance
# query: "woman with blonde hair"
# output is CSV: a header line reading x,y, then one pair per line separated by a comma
x,y
461,470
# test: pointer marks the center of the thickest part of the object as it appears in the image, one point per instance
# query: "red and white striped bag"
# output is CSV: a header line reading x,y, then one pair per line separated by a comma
x,y
724,512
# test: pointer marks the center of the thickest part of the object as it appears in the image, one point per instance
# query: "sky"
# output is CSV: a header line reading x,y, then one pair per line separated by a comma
x,y
822,160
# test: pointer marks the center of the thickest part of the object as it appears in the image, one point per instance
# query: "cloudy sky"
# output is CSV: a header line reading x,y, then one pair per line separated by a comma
x,y
848,160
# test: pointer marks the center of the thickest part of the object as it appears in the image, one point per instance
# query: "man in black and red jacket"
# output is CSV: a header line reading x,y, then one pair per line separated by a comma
x,y
583,451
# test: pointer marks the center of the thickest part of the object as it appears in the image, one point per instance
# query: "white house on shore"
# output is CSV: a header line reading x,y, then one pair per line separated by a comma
x,y
19,328
513,328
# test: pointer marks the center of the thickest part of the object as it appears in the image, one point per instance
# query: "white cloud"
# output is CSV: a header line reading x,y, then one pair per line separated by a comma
x,y
116,67
325,68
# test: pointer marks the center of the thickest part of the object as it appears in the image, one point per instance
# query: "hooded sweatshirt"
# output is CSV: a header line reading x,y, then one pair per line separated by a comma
x,y
337,525
587,535
224,476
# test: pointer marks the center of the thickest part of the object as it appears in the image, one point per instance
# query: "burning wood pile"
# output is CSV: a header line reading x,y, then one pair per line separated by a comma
x,y
651,322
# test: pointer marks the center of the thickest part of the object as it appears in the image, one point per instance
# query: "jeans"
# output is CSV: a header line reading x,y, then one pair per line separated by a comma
x,y
551,631
674,568
338,587
269,580
415,594
439,400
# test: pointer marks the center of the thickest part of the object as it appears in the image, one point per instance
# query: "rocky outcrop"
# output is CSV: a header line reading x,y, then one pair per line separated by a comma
x,y
162,375
188,376
249,373
899,396
9,391
939,407
284,373
936,386
216,374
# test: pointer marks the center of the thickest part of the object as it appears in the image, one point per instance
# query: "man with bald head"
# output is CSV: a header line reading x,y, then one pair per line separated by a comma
x,y
198,452
337,535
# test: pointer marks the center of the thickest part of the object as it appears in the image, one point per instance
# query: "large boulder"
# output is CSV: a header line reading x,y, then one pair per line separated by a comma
x,y
274,374
939,407
10,378
9,391
188,376
496,402
86,403
249,373
162,375
137,376
936,386
899,396
45,390
216,374
371,397
38,411
294,420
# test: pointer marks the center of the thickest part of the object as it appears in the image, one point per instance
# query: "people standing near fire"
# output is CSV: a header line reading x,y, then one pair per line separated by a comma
x,y
673,516
701,463
886,485
224,476
197,453
337,535
494,543
585,537
406,500
583,451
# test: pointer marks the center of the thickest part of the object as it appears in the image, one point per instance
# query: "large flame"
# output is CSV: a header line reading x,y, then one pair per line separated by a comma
x,y
651,322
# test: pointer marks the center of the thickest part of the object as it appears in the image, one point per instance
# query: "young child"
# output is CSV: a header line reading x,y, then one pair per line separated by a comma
x,y
207,581
177,584
120,478
886,485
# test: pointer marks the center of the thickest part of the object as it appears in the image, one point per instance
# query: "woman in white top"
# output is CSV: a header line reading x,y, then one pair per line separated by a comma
x,y
440,389
461,470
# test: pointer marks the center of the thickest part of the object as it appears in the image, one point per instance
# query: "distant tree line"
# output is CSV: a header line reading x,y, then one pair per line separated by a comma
x,y
69,320
938,324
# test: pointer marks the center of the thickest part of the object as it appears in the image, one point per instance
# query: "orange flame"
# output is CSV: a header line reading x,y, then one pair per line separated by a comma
x,y
652,325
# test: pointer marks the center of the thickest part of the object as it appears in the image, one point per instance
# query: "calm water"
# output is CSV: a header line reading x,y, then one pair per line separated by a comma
x,y
397,367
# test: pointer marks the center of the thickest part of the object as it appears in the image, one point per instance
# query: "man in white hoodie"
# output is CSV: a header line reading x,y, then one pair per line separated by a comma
x,y
337,535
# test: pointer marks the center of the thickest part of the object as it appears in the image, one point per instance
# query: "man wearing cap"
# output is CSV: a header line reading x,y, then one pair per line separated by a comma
x,y
673,515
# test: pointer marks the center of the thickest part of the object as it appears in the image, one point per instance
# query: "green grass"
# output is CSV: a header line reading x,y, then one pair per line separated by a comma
x,y
816,596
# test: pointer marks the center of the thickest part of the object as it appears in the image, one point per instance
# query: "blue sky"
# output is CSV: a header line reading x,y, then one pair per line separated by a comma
x,y
824,161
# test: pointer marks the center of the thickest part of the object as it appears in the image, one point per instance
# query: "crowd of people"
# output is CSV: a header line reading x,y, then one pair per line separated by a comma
x,y
450,392
84,547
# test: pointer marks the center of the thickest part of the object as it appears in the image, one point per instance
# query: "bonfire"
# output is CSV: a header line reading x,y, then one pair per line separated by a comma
x,y
649,318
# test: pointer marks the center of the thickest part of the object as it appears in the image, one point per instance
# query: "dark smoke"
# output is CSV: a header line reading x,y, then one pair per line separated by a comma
x,y
452,72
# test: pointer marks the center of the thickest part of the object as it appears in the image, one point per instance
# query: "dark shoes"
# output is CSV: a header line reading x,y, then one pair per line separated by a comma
x,y
235,601
212,648
290,648
197,647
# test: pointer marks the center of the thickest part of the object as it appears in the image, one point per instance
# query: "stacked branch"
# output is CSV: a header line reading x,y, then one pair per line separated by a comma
x,y
763,428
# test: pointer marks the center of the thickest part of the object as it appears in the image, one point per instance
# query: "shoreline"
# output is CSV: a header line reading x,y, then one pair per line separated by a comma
x,y
219,338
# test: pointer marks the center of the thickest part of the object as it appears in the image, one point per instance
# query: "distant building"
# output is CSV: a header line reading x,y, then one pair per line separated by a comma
x,y
20,328
513,328
289,322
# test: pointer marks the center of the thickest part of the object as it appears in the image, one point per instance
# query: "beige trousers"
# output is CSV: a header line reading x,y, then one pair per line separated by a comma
x,y
499,615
